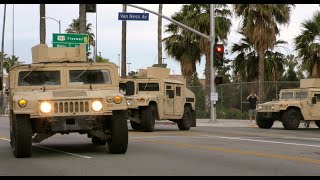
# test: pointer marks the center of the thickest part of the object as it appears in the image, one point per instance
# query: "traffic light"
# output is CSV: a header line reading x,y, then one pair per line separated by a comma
x,y
218,54
91,8
218,80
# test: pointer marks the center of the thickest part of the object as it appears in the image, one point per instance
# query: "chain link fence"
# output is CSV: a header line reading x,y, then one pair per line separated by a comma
x,y
232,98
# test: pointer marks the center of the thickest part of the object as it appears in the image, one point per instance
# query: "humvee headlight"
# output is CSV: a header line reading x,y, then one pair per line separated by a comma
x,y
45,107
96,105
117,99
129,102
22,103
272,108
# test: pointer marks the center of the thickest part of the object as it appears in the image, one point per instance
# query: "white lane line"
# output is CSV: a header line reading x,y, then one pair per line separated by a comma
x,y
231,138
63,152
264,141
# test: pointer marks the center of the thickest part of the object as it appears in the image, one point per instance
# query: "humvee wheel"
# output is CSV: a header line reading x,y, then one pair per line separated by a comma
x,y
21,136
98,141
135,125
119,133
147,119
317,122
264,123
187,118
291,119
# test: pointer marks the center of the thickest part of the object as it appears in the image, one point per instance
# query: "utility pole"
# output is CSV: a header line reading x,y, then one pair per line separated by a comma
x,y
124,46
2,50
160,36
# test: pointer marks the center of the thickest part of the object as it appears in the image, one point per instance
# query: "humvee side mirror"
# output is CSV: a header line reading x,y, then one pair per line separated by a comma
x,y
129,88
314,100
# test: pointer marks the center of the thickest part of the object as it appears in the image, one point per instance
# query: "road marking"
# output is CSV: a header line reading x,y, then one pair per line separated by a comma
x,y
211,148
63,152
264,141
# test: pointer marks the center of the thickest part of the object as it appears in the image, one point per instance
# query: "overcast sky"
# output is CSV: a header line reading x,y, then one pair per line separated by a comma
x,y
142,37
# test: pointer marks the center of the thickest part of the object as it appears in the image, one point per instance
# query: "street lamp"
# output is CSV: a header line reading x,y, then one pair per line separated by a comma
x,y
58,21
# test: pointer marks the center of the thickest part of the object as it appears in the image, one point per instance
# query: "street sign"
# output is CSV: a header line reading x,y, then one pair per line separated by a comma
x,y
133,16
214,96
70,40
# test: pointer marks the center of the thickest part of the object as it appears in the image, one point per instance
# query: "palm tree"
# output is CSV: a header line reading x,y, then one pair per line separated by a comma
x,y
160,35
10,61
42,24
308,45
260,25
74,27
246,62
182,46
82,18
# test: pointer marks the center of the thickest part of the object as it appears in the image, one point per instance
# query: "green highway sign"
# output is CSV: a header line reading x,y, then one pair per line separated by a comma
x,y
70,40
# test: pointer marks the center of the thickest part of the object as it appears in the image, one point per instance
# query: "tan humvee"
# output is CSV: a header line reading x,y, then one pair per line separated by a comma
x,y
62,93
293,106
153,95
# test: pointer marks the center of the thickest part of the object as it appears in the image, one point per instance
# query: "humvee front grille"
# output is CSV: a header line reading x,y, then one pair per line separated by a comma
x,y
71,107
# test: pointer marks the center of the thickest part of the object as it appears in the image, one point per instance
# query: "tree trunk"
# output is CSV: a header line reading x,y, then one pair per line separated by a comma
x,y
82,18
188,81
315,70
207,88
261,92
42,24
124,46
160,35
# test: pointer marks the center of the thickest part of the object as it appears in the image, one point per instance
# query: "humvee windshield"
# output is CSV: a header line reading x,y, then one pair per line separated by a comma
x,y
39,78
290,95
287,95
90,76
301,95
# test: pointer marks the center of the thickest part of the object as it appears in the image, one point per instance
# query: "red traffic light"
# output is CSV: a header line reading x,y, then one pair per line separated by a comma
x,y
219,49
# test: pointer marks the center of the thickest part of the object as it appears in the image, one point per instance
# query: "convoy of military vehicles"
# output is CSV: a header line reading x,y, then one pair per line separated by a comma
x,y
62,92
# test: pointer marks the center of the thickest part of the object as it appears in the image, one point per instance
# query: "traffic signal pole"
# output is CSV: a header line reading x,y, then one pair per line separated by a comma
x,y
211,39
212,69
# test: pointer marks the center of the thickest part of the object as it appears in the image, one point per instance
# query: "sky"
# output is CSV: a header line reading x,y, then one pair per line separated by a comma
x,y
22,31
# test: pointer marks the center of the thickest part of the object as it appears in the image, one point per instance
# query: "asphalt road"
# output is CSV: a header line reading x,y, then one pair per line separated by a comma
x,y
202,151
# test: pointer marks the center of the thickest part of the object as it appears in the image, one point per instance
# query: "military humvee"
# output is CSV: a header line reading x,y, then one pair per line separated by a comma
x,y
293,106
152,95
60,92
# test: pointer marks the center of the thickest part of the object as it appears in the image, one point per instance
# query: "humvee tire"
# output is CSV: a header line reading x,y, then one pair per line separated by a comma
x,y
147,119
291,119
317,122
264,123
135,126
21,132
185,122
98,141
118,143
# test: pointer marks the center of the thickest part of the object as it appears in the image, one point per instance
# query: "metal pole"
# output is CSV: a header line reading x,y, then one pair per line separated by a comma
x,y
212,70
96,43
12,30
119,64
2,49
59,27
124,46
172,20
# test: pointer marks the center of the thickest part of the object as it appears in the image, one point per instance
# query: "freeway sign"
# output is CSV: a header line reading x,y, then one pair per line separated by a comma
x,y
134,16
70,40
